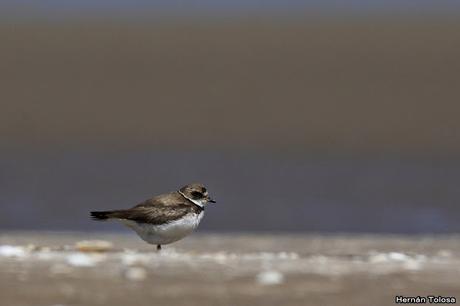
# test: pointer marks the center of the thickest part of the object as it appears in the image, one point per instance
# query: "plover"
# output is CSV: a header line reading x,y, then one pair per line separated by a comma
x,y
165,218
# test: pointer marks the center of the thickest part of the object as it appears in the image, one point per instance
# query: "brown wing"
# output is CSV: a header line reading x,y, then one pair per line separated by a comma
x,y
151,215
157,210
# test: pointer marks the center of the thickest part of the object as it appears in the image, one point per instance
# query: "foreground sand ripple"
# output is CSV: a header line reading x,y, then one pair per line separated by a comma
x,y
52,269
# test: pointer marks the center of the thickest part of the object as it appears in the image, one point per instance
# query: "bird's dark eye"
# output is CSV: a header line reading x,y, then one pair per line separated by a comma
x,y
197,195
203,190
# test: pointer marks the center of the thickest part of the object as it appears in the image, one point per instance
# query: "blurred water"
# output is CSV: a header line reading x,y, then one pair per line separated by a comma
x,y
109,99
268,192
223,7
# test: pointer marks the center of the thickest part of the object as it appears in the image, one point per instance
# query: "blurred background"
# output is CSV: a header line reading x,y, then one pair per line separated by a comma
x,y
314,116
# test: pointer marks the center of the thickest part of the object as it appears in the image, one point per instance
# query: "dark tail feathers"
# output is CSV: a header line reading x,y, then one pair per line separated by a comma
x,y
101,215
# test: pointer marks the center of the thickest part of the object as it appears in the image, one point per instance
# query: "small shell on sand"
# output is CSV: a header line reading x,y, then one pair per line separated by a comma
x,y
84,260
268,278
93,246
12,251
136,273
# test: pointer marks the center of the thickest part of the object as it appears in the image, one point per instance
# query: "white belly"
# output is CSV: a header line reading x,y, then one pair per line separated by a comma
x,y
166,233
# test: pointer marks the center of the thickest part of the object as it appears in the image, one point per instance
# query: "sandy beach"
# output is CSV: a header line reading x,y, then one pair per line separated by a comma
x,y
301,126
214,269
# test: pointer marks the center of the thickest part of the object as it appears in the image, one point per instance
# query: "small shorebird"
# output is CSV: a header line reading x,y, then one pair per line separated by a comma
x,y
165,218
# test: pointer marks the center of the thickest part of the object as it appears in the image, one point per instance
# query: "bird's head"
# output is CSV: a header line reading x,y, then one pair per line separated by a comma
x,y
196,193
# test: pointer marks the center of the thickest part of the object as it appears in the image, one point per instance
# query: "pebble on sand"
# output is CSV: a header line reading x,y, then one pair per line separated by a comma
x,y
93,246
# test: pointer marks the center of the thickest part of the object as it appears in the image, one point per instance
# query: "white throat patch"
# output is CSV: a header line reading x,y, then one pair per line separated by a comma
x,y
199,203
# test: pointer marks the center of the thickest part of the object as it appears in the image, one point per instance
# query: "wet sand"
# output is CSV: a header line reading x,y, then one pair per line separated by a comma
x,y
210,269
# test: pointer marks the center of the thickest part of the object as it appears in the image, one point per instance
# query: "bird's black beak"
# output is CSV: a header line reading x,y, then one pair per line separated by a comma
x,y
211,200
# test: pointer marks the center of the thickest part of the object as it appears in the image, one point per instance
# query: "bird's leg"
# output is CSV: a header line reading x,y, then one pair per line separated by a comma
x,y
158,247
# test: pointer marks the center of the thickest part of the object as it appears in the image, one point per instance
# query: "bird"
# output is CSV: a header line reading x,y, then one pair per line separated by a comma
x,y
165,218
